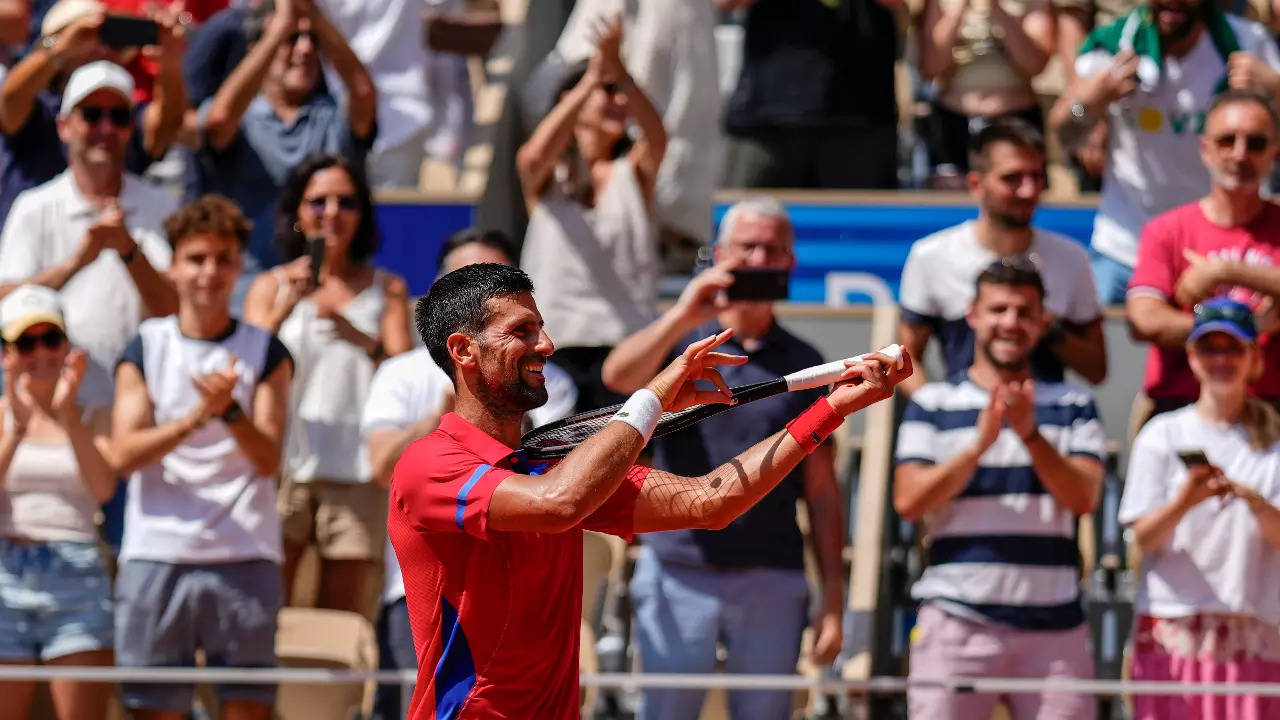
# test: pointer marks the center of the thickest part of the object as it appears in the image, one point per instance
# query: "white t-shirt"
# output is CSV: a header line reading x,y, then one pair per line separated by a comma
x,y
1153,161
203,502
409,386
103,307
1216,561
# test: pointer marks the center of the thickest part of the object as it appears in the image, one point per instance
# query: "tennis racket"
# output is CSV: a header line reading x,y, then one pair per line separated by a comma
x,y
557,439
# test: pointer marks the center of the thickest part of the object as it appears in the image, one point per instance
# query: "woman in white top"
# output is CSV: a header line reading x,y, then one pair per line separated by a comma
x,y
1200,500
55,600
337,331
591,245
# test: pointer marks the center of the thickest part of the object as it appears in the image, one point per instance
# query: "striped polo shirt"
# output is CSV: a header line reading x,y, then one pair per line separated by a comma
x,y
1002,550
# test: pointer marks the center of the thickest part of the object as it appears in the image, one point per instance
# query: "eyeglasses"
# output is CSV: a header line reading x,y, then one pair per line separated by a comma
x,y
346,203
294,37
50,339
119,116
1253,143
772,251
1240,316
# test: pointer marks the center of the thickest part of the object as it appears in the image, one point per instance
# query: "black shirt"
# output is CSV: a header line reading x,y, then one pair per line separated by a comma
x,y
806,64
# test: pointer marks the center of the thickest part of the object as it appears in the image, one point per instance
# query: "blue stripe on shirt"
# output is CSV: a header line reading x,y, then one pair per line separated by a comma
x,y
1066,616
456,672
1043,550
988,481
466,489
1051,415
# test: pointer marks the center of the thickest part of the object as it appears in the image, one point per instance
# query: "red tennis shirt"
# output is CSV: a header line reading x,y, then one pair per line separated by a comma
x,y
495,615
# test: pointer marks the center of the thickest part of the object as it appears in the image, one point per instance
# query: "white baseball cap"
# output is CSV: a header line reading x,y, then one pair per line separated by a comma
x,y
29,305
65,12
88,79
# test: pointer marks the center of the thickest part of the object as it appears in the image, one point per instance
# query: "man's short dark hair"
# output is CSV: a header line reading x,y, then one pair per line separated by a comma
x,y
1012,130
492,239
207,215
1235,96
456,303
1018,271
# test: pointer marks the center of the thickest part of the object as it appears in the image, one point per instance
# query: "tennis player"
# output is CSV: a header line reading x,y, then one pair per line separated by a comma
x,y
491,544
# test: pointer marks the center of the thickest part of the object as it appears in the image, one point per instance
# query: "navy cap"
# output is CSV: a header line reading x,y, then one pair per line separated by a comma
x,y
1222,314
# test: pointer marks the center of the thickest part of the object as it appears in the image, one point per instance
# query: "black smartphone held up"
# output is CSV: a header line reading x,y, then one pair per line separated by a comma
x,y
756,284
120,31
315,251
1192,457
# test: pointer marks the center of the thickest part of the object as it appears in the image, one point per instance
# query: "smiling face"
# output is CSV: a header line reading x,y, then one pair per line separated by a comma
x,y
1223,362
1239,146
510,353
204,270
40,352
1008,189
1007,322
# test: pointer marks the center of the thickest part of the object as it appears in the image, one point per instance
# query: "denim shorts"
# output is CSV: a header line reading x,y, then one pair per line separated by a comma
x,y
55,600
166,611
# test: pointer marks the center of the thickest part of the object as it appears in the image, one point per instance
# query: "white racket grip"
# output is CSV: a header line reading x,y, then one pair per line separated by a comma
x,y
827,373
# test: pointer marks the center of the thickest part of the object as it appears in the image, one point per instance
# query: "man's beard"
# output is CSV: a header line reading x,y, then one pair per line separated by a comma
x,y
518,396
1011,222
1183,30
1016,365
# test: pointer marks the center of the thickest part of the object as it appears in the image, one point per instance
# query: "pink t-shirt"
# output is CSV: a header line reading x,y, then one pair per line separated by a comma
x,y
1160,263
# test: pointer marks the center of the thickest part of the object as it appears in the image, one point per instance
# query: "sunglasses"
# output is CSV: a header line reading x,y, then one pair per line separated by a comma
x,y
1253,143
346,203
120,117
50,339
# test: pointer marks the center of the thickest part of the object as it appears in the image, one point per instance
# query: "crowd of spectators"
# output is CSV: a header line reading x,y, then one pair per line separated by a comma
x,y
189,304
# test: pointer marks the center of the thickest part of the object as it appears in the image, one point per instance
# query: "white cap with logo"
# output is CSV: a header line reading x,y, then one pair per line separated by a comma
x,y
29,305
88,79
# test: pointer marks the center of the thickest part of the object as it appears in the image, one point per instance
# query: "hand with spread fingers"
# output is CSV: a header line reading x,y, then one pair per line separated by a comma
x,y
677,385
868,381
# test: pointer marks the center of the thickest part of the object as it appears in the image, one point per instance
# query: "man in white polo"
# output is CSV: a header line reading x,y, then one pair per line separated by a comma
x,y
94,232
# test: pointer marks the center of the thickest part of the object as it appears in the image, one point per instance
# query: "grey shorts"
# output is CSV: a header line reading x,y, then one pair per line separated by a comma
x,y
165,612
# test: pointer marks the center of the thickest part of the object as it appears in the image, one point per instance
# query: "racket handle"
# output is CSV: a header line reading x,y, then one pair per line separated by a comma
x,y
827,373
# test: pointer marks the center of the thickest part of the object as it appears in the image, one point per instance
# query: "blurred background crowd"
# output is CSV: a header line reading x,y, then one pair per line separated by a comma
x,y
210,365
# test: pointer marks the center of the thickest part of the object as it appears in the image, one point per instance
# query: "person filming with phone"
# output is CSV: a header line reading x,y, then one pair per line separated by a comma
x,y
1200,500
748,579
339,317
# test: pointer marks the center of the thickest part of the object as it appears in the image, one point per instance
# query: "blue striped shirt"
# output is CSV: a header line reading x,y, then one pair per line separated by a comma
x,y
1002,550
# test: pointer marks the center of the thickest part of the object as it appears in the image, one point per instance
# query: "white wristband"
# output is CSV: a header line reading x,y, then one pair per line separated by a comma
x,y
641,411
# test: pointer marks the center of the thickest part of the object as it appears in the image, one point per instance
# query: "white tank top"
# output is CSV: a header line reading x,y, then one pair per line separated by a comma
x,y
330,382
43,497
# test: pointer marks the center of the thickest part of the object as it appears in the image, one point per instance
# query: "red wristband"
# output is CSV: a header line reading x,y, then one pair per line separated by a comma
x,y
811,427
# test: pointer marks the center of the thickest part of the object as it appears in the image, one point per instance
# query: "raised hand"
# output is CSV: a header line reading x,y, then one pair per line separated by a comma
x,y
676,386
606,64
1019,399
868,381
991,419
215,390
109,232
1247,71
64,406
703,297
1115,83
17,390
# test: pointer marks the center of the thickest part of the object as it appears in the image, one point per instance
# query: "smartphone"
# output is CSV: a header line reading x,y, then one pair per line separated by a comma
x,y
759,284
315,251
1192,457
121,31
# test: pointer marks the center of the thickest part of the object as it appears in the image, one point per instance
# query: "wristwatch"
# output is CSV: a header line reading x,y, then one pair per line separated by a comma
x,y
1079,113
49,43
233,413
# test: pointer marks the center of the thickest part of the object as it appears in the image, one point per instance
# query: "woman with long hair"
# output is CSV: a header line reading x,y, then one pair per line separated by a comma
x,y
55,596
591,247
1200,499
337,330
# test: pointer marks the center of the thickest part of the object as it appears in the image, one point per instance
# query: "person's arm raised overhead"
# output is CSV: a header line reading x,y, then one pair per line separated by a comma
x,y
34,72
575,487
222,121
362,97
638,358
939,32
1027,41
713,500
162,118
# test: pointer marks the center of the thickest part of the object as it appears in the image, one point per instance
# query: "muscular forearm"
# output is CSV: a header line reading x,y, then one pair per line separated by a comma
x,y
1072,486
227,107
162,120
941,31
1154,320
132,449
361,96
1263,279
1072,131
1026,55
638,358
53,278
827,522
25,80
1085,352
538,156
919,489
262,448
